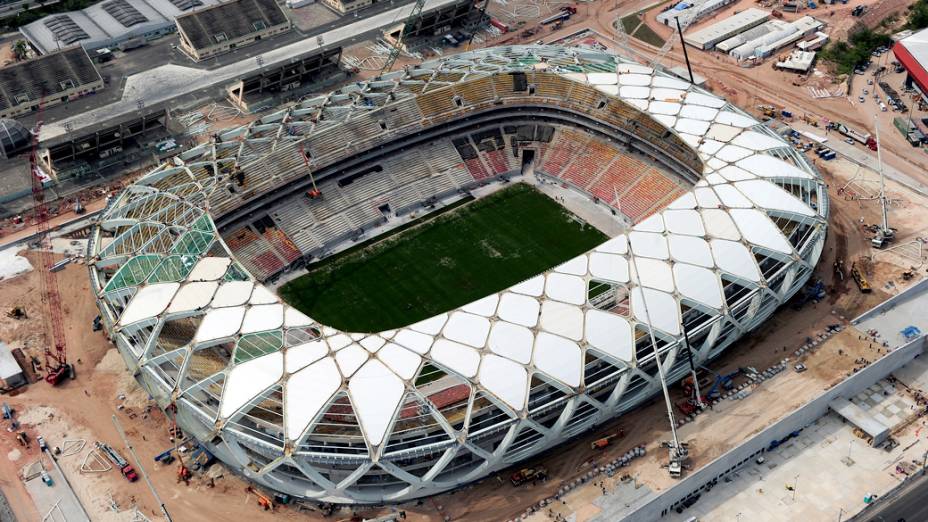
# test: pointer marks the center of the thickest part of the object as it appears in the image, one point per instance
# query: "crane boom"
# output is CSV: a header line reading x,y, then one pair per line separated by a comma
x,y
56,362
398,43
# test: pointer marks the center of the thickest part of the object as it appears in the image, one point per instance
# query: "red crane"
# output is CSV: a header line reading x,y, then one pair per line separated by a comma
x,y
56,361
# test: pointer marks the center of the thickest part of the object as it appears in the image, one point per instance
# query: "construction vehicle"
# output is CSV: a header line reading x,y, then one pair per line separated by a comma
x,y
56,362
43,446
768,110
884,233
121,464
725,382
607,440
7,412
528,474
165,457
564,14
201,458
859,278
812,292
47,479
17,312
263,500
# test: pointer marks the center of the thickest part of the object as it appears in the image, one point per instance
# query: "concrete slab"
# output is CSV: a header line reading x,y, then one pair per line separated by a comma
x,y
58,501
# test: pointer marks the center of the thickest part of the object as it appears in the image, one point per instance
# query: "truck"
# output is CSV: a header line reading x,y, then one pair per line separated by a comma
x,y
565,13
528,474
121,464
860,137
861,281
499,25
607,440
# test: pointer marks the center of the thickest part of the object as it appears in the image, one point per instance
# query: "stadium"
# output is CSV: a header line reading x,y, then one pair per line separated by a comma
x,y
720,220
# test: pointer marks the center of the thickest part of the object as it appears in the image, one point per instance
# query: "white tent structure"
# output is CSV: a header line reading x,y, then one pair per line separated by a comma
x,y
316,413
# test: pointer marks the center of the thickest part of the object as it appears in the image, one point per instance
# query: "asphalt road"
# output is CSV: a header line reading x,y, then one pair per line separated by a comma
x,y
909,505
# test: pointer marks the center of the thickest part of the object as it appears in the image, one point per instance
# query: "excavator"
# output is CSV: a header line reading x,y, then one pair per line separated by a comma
x,y
263,500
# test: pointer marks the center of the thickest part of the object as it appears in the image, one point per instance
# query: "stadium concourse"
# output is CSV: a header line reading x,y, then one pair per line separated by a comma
x,y
726,223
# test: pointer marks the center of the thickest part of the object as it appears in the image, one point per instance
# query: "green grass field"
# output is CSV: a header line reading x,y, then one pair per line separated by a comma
x,y
448,261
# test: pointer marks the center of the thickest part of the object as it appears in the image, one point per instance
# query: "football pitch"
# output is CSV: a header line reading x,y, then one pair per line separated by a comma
x,y
442,263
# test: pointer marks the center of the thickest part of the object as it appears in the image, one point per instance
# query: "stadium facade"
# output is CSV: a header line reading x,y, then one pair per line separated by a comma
x,y
343,417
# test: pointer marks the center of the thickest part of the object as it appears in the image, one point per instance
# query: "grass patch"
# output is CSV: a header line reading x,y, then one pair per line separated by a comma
x,y
630,23
846,55
648,36
458,257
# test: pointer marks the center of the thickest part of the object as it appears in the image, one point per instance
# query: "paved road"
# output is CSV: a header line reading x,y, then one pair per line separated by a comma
x,y
909,505
169,82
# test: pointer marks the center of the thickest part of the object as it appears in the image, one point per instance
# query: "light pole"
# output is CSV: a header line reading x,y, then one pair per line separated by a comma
x,y
795,485
840,513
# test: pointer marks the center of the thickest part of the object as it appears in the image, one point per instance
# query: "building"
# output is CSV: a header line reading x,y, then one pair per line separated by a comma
x,y
797,61
753,33
224,27
114,23
50,79
316,413
680,10
707,37
11,374
912,53
769,43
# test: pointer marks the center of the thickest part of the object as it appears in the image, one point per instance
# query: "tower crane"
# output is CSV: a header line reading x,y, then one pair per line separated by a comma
x,y
56,360
398,43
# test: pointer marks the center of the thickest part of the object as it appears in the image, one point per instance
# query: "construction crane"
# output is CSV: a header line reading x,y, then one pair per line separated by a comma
x,y
313,193
398,42
884,234
56,361
684,19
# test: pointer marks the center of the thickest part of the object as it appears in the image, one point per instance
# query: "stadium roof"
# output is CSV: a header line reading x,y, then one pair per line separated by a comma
x,y
27,82
912,53
171,265
230,21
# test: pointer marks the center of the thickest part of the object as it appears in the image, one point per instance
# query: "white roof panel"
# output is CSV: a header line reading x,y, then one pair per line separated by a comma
x,y
248,380
504,379
735,258
634,91
306,392
263,317
566,288
372,343
562,319
653,223
432,325
576,266
732,173
666,120
233,293
193,296
512,341
684,222
698,98
648,245
665,94
661,308
710,146
519,309
686,201
609,267
467,328
209,269
723,133
732,153
719,224
261,295
691,126
731,197
559,358
602,78
654,273
757,228
771,197
698,112
610,334
662,107
634,79
376,393
670,83
350,359
148,302
734,119
219,323
756,141
690,249
403,362
415,341
699,284
616,245
294,318
456,357
533,287
485,307
706,197
769,167
301,356
633,68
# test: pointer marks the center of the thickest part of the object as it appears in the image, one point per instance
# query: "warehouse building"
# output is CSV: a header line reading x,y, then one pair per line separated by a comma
x,y
754,33
681,10
768,44
11,374
51,79
912,53
224,27
708,37
122,24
